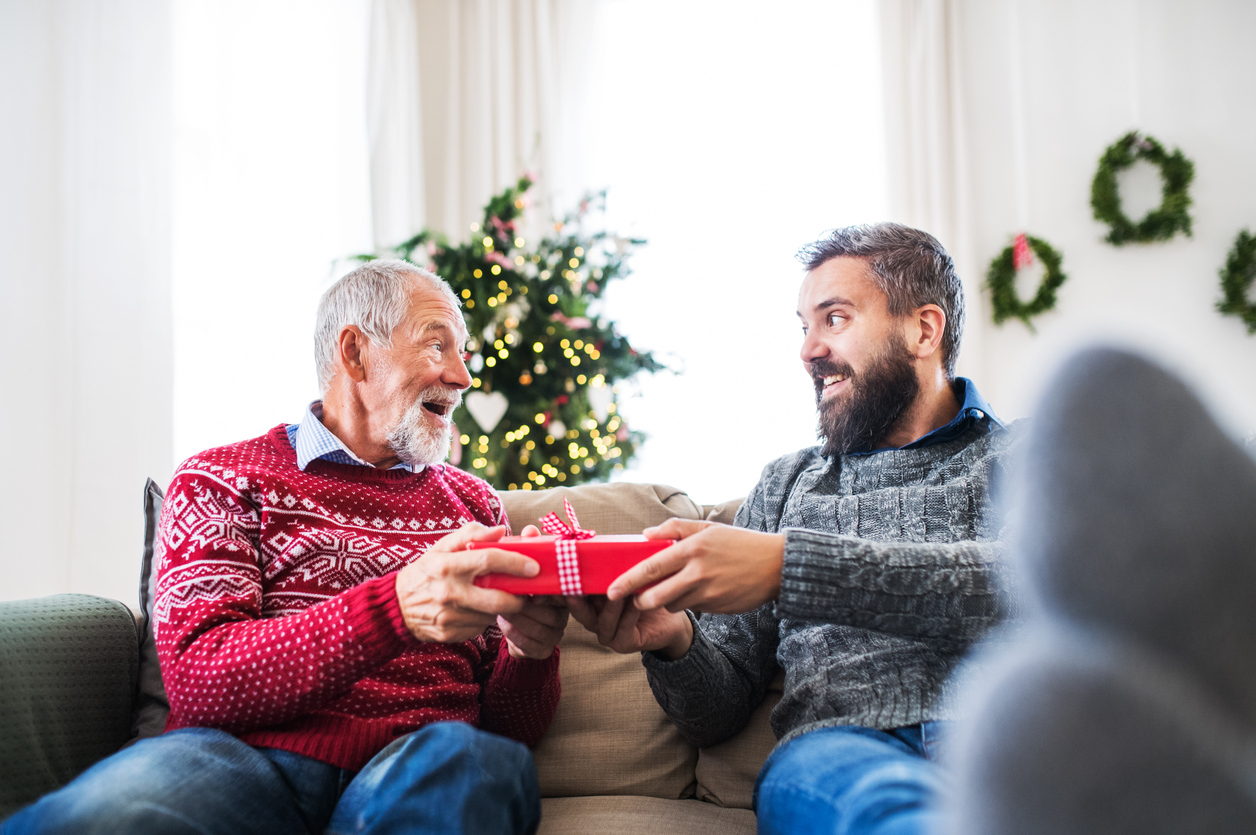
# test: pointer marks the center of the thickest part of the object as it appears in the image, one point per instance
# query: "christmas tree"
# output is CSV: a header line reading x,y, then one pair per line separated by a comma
x,y
542,407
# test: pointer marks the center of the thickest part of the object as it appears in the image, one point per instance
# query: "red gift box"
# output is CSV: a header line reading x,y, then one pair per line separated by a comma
x,y
600,560
572,560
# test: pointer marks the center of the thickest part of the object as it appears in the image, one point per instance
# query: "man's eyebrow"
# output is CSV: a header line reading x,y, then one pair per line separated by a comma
x,y
834,301
433,325
436,325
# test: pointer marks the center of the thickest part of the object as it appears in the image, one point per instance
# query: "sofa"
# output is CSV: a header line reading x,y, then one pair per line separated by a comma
x,y
76,675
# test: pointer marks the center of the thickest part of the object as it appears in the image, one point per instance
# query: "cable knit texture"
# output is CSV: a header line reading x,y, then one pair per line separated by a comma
x,y
893,568
276,614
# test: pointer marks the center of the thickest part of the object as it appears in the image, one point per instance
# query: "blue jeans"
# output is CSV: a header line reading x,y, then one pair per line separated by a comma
x,y
445,777
851,781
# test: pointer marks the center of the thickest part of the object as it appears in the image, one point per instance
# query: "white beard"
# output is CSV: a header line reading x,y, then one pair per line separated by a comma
x,y
420,437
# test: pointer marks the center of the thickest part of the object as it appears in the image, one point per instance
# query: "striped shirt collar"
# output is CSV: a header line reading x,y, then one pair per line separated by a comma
x,y
314,441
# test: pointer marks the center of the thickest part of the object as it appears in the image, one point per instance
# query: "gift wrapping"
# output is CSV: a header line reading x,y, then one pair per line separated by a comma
x,y
600,560
573,560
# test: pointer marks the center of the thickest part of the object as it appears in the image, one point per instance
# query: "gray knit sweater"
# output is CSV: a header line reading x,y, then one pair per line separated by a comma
x,y
892,570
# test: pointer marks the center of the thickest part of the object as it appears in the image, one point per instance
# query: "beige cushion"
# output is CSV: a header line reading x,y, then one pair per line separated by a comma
x,y
609,735
620,508
636,815
727,772
724,512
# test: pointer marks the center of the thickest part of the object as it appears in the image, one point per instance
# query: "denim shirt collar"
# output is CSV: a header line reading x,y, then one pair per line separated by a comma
x,y
973,408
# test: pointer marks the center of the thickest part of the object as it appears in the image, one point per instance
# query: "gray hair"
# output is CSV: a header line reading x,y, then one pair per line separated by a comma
x,y
375,298
909,266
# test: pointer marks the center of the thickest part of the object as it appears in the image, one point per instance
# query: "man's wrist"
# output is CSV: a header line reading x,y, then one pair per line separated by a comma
x,y
678,647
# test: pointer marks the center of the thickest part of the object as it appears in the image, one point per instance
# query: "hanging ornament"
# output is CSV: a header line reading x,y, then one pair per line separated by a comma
x,y
1236,281
1161,223
487,408
1001,279
1022,255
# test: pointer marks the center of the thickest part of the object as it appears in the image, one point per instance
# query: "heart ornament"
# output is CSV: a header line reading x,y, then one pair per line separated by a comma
x,y
600,398
487,409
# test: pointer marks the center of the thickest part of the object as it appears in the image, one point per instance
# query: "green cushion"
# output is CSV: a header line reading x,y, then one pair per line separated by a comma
x,y
68,671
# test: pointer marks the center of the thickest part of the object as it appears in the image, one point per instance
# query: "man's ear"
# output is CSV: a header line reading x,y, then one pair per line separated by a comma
x,y
351,352
924,334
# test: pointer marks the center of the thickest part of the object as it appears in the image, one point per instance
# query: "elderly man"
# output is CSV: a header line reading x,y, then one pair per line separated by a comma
x,y
862,568
329,662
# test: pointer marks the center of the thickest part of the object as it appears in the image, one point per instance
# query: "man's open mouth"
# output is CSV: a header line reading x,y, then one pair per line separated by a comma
x,y
827,382
436,408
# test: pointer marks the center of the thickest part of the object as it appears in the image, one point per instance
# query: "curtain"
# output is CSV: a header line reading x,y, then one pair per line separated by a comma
x,y
463,97
85,389
927,145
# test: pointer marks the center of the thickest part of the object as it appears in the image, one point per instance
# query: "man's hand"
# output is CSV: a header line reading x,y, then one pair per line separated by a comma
x,y
533,632
438,598
620,625
713,568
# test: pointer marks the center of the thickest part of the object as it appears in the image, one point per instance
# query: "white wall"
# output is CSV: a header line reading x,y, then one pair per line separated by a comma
x,y
1181,72
84,289
270,188
730,134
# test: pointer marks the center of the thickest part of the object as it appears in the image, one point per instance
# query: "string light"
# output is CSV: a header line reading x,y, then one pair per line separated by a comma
x,y
478,273
488,242
496,269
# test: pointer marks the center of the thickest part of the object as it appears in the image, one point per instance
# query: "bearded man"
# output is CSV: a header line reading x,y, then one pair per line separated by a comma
x,y
329,663
863,568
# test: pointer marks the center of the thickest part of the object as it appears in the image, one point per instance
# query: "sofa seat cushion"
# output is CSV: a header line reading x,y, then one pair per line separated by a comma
x,y
634,815
609,735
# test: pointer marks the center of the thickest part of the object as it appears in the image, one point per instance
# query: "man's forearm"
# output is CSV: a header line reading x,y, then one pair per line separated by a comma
x,y
705,692
954,591
235,673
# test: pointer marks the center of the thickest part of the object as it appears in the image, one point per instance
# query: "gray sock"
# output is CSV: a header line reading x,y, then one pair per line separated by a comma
x,y
1127,703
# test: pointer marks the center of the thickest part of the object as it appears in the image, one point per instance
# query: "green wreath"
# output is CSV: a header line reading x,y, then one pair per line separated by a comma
x,y
1001,279
1160,224
1236,279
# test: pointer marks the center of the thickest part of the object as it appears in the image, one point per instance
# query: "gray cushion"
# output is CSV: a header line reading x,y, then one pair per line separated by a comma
x,y
68,669
151,706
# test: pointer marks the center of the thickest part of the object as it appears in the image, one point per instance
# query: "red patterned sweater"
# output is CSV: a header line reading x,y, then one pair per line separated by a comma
x,y
276,614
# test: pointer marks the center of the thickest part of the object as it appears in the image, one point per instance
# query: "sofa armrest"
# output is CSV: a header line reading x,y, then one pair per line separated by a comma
x,y
69,664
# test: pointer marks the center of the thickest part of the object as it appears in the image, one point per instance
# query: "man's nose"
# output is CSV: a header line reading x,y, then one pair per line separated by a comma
x,y
456,374
813,348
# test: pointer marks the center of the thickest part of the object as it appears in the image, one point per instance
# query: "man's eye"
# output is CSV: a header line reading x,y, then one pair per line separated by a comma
x,y
834,319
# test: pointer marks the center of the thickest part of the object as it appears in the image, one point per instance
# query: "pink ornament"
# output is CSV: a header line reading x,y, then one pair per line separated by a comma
x,y
1022,255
